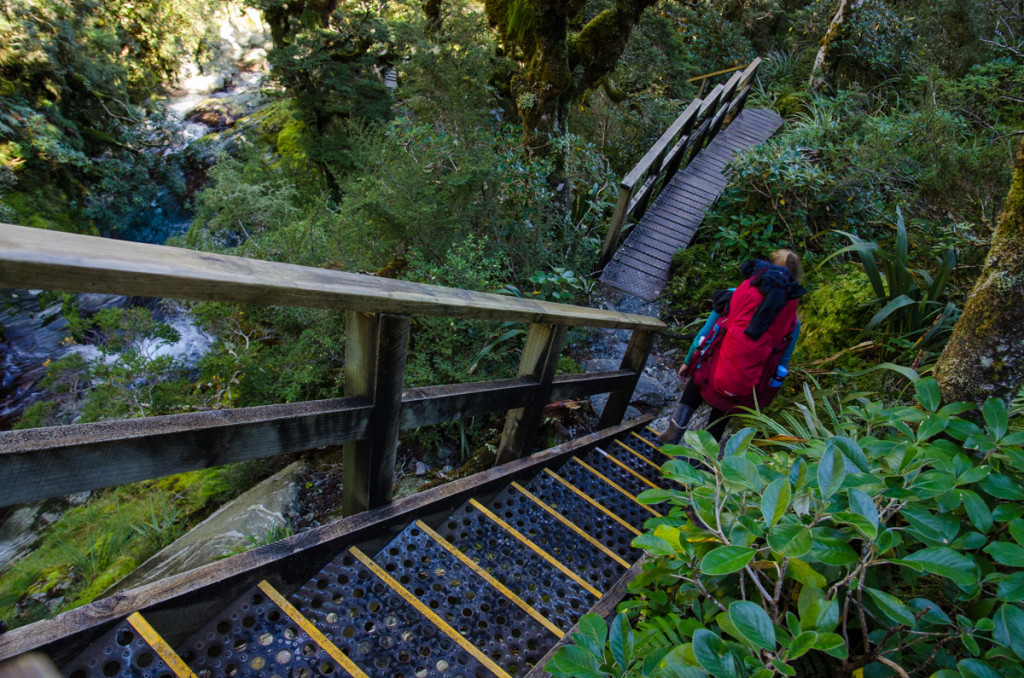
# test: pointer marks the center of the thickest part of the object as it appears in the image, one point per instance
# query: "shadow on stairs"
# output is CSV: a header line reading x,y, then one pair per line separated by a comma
x,y
489,589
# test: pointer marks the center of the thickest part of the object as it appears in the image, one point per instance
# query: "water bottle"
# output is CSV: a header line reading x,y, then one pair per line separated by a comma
x,y
780,375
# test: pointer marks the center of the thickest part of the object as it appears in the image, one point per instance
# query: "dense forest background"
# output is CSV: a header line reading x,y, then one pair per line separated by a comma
x,y
493,166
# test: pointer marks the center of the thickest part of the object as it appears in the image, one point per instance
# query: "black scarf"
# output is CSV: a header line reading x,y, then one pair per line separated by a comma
x,y
777,286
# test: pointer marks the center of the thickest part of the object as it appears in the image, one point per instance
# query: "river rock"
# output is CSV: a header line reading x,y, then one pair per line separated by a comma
x,y
216,114
204,84
237,524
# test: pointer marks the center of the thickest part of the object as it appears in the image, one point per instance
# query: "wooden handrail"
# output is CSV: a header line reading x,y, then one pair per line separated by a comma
x,y
695,127
34,258
42,463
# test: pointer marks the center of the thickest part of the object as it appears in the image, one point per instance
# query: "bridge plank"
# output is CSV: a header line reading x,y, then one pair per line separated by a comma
x,y
33,258
641,265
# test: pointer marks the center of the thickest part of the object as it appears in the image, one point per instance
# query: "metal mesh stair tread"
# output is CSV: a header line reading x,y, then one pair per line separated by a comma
x,y
488,593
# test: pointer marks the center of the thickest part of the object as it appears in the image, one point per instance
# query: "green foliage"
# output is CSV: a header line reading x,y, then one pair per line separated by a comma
x,y
892,535
832,313
697,272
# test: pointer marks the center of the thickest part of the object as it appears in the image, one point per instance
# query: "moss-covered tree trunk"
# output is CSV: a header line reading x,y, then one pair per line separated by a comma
x,y
828,56
560,65
985,355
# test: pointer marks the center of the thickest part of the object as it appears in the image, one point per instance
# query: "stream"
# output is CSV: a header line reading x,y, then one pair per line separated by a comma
x,y
35,333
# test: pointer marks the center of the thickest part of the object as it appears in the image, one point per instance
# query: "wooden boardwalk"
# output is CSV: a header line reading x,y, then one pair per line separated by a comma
x,y
641,265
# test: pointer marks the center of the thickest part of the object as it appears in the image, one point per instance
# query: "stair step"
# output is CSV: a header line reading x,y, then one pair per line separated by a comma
x,y
647,445
638,462
588,515
574,551
384,629
551,589
131,649
261,633
481,613
606,488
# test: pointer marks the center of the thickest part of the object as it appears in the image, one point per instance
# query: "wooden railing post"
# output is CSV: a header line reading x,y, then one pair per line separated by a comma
x,y
634,361
375,350
611,241
539,361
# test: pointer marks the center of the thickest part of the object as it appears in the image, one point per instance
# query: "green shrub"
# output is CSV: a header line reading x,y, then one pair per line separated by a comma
x,y
833,314
884,537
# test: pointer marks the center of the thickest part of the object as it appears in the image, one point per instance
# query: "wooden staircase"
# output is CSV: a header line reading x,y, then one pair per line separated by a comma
x,y
488,589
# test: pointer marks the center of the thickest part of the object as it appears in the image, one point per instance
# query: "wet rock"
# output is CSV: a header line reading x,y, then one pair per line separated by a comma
x,y
90,304
422,469
650,392
217,114
204,84
47,591
242,523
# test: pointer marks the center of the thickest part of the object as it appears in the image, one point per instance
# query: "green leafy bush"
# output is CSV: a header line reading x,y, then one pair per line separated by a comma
x,y
833,313
893,541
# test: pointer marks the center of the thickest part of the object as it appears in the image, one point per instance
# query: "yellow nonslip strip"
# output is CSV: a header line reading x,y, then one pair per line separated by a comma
x,y
160,646
638,455
649,443
312,631
593,502
489,578
613,484
572,526
423,609
626,467
536,549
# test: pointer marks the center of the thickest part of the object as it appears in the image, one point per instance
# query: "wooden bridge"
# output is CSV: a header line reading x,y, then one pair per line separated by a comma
x,y
683,174
483,576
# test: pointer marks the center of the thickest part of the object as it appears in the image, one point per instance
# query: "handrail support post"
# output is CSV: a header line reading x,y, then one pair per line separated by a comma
x,y
539,361
634,360
375,353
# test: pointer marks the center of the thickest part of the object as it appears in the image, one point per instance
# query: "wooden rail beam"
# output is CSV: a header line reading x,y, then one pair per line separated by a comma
x,y
375,352
539,361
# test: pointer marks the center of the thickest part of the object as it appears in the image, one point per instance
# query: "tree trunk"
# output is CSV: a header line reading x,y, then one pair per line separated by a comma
x,y
985,355
432,12
827,60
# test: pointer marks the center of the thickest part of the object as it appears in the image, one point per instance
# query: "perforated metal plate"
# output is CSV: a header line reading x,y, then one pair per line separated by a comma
x,y
255,637
637,463
474,608
616,502
620,476
572,550
646,443
381,632
508,560
120,652
588,518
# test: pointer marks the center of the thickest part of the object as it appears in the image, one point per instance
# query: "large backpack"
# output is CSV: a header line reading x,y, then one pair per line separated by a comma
x,y
734,370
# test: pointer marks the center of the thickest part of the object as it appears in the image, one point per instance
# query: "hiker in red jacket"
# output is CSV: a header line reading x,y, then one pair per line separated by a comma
x,y
742,353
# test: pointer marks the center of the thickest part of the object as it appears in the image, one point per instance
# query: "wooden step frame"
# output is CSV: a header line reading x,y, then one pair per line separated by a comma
x,y
178,604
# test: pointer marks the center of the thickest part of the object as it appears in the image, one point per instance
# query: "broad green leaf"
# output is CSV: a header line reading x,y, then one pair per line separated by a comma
x,y
783,668
831,551
713,654
932,529
1006,512
741,471
933,614
792,540
851,450
739,442
740,535
944,562
862,504
681,472
775,501
1009,622
726,560
1006,553
996,417
1016,528
620,639
1001,486
977,510
931,427
805,574
975,668
928,394
892,607
802,644
863,525
970,643
753,623
652,544
798,472
680,451
656,496
831,472
592,633
1011,589
832,644
702,441
679,671
571,661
